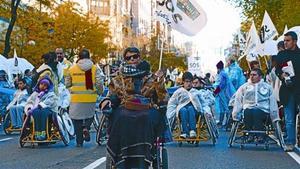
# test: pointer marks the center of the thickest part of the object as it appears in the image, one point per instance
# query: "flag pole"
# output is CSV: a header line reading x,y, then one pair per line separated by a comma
x,y
162,48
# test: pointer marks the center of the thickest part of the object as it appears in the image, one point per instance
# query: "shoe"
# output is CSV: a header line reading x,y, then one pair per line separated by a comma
x,y
183,136
192,134
86,135
289,148
79,145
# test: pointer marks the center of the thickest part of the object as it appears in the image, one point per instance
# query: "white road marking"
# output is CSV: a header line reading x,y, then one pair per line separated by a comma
x,y
5,139
294,155
96,163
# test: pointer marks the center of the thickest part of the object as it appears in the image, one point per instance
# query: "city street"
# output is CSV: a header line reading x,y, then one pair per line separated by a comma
x,y
205,156
135,68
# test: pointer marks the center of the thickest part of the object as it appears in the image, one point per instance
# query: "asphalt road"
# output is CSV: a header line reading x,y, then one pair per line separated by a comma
x,y
205,156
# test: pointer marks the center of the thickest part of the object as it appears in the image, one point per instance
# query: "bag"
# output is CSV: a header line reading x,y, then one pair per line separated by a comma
x,y
137,102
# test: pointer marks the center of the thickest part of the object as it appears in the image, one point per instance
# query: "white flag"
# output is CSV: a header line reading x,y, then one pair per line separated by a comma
x,y
267,33
251,57
185,16
267,29
252,42
242,41
281,38
285,29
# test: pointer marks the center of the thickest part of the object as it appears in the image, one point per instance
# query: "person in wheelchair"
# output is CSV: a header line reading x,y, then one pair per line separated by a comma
x,y
185,104
40,105
206,97
256,99
16,106
136,119
4,98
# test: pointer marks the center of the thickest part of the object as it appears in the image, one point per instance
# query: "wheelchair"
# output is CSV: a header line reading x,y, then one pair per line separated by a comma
x,y
97,116
242,136
206,129
159,156
67,122
7,125
55,131
102,135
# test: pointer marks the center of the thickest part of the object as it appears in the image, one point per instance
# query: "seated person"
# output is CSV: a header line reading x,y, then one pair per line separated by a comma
x,y
16,106
257,100
135,120
206,98
4,97
186,104
41,104
64,97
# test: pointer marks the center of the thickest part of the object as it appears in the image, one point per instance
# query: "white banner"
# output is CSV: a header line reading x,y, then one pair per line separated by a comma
x,y
267,29
194,65
251,57
267,33
242,41
281,38
185,16
252,42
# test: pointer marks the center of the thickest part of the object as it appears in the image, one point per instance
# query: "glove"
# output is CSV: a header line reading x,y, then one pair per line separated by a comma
x,y
217,90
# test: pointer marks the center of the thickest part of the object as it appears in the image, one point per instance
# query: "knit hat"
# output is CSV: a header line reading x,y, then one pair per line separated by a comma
x,y
45,81
220,65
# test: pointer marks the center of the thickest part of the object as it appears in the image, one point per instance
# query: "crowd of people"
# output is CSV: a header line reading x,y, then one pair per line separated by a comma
x,y
59,84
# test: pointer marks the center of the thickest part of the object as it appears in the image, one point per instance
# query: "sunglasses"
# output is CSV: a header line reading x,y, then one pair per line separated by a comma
x,y
135,56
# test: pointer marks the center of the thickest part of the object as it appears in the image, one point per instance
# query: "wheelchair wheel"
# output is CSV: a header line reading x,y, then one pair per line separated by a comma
x,y
25,131
233,131
109,162
298,129
210,128
96,121
7,124
164,157
101,136
62,131
279,134
68,123
161,159
214,127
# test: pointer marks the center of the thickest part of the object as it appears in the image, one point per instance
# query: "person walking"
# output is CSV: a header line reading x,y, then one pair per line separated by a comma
x,y
288,71
223,92
85,81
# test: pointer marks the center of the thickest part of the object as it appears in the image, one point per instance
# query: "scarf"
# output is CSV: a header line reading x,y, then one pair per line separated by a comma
x,y
88,80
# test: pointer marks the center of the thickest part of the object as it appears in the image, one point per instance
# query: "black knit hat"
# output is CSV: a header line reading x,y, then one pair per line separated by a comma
x,y
220,65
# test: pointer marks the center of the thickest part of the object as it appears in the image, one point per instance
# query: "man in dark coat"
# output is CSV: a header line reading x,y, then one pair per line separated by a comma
x,y
289,59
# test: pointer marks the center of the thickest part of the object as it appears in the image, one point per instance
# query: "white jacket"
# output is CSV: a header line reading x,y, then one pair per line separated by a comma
x,y
20,98
206,99
181,98
49,100
259,95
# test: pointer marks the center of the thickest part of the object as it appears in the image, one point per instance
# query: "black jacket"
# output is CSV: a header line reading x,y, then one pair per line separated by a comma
x,y
285,91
